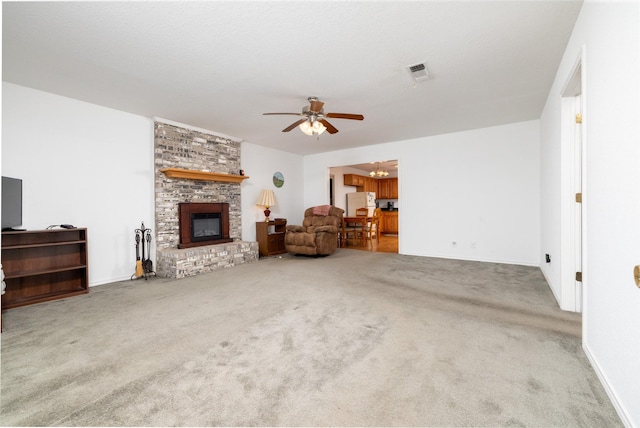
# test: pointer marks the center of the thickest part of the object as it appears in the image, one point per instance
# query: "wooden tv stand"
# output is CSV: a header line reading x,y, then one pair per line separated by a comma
x,y
44,265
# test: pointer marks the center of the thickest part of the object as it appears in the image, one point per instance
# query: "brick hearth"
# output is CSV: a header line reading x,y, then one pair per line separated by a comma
x,y
180,263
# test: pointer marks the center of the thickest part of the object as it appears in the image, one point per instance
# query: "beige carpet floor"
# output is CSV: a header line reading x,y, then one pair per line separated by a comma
x,y
353,339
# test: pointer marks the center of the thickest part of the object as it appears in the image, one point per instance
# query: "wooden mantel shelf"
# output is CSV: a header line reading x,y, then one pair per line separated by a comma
x,y
202,175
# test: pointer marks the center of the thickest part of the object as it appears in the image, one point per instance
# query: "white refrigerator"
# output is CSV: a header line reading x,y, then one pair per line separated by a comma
x,y
360,200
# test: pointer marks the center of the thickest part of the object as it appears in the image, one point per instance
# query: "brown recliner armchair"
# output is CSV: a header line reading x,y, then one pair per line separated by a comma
x,y
318,235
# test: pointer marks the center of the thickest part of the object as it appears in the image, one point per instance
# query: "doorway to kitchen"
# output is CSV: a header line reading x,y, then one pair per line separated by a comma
x,y
379,178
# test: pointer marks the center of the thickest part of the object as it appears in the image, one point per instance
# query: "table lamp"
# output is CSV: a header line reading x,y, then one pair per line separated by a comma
x,y
267,199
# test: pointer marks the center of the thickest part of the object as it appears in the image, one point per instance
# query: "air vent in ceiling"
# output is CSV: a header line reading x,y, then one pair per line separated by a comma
x,y
418,72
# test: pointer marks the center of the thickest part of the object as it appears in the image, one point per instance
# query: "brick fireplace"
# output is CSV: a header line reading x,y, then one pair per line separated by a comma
x,y
177,147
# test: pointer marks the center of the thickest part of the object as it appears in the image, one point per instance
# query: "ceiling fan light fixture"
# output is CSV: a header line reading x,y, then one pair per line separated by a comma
x,y
315,120
311,129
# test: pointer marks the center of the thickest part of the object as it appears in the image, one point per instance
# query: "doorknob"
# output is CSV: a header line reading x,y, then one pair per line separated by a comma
x,y
636,275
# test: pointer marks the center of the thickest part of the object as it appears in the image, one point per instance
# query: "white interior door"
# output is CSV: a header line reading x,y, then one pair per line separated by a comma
x,y
577,152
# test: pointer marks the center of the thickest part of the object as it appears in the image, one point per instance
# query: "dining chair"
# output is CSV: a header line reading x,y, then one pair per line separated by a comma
x,y
348,233
373,227
355,231
360,212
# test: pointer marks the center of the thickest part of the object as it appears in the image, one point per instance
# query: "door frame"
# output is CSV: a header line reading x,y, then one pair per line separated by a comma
x,y
573,225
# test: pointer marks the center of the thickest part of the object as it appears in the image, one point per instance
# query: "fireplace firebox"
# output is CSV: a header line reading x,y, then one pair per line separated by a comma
x,y
203,223
205,227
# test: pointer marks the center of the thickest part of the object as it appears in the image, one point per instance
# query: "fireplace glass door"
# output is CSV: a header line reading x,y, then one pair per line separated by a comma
x,y
205,226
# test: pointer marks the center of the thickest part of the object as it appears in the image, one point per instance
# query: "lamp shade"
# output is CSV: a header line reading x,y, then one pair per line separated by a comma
x,y
267,199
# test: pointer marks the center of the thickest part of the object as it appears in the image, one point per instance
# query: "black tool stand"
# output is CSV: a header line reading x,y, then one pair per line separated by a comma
x,y
143,236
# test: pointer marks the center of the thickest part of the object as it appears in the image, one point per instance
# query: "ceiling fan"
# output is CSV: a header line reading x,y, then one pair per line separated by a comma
x,y
314,122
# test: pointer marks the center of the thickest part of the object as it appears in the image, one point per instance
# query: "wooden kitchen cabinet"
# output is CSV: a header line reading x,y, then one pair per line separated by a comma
x,y
388,188
389,222
371,185
383,189
354,180
393,187
363,183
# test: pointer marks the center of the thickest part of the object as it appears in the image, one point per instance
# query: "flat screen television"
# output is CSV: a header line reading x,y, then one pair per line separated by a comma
x,y
11,203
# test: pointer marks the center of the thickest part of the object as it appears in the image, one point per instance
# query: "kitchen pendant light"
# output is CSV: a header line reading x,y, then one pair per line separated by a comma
x,y
378,172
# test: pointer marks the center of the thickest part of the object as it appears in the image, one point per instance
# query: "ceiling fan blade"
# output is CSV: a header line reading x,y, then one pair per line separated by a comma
x,y
315,106
294,114
293,125
345,116
330,128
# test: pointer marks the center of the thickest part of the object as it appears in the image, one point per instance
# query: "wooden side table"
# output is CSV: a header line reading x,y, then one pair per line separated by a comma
x,y
270,237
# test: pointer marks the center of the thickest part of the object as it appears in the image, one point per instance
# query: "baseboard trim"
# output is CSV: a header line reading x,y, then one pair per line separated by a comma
x,y
471,259
553,290
111,280
605,384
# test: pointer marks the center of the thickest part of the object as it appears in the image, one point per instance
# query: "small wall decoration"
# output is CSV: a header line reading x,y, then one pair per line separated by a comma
x,y
278,179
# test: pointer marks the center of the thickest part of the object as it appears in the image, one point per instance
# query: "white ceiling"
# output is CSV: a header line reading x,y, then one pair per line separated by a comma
x,y
219,65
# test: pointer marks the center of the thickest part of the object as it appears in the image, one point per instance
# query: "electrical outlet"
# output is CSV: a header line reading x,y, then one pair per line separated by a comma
x,y
547,258
454,244
473,245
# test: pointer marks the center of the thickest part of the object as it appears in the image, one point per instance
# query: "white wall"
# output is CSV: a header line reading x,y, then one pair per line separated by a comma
x,y
608,35
82,164
260,163
479,188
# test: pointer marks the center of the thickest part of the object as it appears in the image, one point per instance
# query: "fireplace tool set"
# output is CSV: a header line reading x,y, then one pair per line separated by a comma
x,y
144,265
